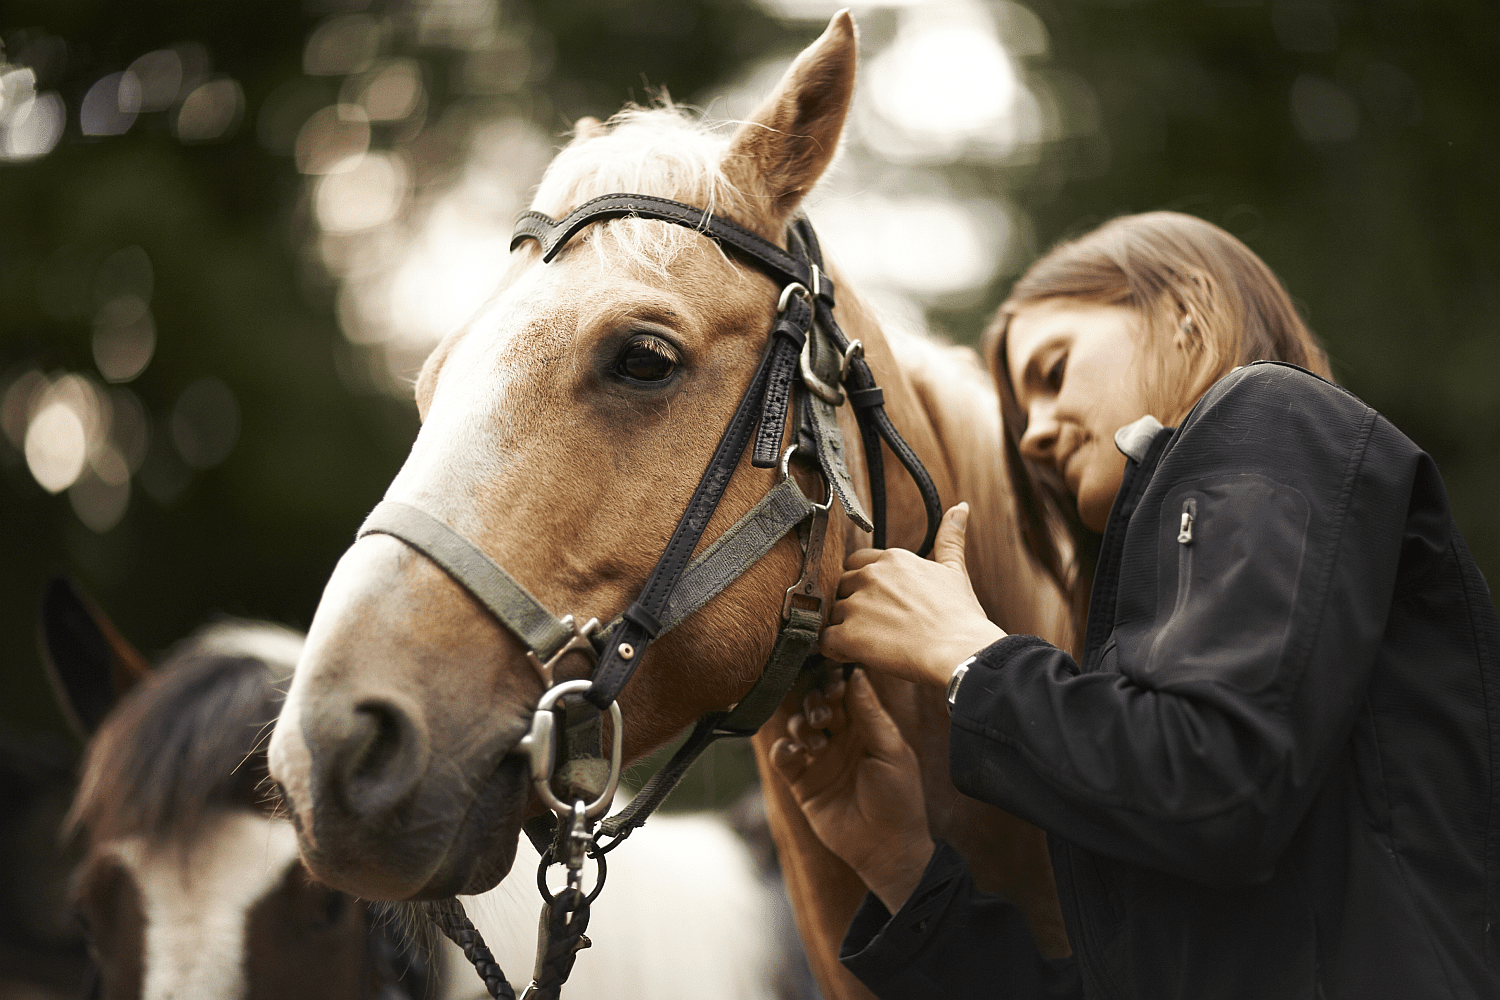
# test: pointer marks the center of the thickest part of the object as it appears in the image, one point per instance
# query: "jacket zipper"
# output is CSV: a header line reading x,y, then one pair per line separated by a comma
x,y
1185,528
1185,552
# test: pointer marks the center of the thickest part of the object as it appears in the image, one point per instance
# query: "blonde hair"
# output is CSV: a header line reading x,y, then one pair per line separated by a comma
x,y
666,151
1206,303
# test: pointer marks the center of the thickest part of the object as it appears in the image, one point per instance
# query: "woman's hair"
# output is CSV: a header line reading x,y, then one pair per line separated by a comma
x,y
1206,304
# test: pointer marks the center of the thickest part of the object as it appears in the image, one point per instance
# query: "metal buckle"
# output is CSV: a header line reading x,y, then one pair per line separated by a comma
x,y
829,394
540,745
577,642
806,588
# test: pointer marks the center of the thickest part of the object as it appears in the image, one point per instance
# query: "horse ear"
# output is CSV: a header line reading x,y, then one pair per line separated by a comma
x,y
90,665
787,144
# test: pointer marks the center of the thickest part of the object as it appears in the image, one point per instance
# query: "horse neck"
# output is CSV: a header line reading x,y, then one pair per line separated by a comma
x,y
943,401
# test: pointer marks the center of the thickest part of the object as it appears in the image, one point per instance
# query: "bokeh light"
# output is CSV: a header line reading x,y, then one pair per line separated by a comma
x,y
211,112
369,193
159,75
333,139
111,105
30,123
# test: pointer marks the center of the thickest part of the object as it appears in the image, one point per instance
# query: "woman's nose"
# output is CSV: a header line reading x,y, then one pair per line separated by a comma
x,y
1040,439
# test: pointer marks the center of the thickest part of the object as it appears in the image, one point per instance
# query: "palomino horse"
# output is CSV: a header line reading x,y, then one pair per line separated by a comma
x,y
192,888
563,434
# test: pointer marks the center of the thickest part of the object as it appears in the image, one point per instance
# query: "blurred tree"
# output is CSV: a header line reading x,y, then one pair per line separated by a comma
x,y
266,447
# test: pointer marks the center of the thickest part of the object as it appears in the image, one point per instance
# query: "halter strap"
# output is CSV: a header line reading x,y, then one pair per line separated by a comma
x,y
553,234
539,630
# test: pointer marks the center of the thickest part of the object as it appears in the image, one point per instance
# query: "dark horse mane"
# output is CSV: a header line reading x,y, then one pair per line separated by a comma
x,y
190,739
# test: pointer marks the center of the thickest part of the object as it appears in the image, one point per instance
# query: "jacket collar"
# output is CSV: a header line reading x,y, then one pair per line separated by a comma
x,y
1143,445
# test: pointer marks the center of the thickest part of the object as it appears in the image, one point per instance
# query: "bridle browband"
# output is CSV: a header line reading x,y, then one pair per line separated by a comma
x,y
809,368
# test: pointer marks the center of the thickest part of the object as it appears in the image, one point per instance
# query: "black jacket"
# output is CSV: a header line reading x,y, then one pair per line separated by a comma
x,y
1277,771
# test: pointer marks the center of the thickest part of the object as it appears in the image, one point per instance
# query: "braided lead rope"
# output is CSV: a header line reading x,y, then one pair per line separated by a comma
x,y
564,919
450,918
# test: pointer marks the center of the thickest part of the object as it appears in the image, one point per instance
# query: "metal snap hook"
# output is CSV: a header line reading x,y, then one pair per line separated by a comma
x,y
540,745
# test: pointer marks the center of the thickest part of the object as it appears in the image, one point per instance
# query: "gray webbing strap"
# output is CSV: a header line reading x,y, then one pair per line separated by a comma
x,y
732,553
510,603
796,641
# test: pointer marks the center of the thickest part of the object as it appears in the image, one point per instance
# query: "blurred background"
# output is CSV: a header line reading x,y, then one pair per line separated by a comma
x,y
230,232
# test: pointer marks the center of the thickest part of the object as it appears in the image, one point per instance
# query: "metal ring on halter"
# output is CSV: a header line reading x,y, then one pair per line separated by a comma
x,y
540,744
855,350
787,293
786,470
547,862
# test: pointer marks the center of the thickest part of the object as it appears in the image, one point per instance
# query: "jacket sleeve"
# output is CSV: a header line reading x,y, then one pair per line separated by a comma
x,y
952,941
1239,644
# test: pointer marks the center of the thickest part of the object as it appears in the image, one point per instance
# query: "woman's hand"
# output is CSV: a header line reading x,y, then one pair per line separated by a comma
x,y
858,784
915,618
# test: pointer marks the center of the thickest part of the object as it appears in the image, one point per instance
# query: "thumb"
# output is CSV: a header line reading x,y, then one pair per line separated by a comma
x,y
948,546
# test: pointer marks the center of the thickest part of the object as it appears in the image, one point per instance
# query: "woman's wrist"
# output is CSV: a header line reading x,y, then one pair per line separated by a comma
x,y
899,873
944,657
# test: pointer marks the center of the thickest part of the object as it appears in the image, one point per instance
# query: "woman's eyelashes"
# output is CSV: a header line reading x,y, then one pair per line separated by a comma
x,y
646,358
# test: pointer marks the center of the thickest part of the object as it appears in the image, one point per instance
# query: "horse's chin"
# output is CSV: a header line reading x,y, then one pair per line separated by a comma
x,y
484,845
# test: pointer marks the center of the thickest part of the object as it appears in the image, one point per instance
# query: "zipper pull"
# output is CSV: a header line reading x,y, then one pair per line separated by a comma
x,y
1185,533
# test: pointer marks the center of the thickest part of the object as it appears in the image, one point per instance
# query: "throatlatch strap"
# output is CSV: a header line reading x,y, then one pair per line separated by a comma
x,y
510,603
874,424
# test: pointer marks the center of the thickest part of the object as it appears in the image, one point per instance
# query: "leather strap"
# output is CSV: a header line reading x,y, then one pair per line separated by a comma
x,y
511,604
787,338
795,643
553,234
636,632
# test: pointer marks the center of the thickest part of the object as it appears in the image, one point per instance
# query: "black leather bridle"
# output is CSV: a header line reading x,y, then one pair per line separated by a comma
x,y
809,368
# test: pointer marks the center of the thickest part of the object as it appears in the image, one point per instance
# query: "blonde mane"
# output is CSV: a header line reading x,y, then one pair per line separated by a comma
x,y
667,151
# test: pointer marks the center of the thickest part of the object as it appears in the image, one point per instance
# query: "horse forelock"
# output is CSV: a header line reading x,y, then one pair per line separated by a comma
x,y
191,739
666,152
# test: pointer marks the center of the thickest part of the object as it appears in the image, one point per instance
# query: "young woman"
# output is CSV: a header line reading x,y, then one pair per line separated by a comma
x,y
1274,770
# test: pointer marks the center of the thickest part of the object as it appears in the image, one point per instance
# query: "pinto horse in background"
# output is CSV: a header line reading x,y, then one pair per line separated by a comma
x,y
564,431
190,884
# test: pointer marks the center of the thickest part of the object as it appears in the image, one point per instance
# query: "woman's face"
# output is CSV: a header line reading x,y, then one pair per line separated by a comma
x,y
1077,373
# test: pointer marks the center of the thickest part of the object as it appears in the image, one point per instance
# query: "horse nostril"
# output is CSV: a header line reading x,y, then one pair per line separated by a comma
x,y
385,757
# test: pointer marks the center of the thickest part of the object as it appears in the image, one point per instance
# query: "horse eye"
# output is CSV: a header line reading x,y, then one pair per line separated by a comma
x,y
647,359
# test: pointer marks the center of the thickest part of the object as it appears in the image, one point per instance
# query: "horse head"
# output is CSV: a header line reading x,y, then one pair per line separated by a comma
x,y
189,885
564,431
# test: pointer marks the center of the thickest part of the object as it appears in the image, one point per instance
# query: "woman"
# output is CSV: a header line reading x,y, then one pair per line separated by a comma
x,y
1274,770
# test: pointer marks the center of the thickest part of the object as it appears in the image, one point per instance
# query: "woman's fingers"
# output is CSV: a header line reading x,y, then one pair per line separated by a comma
x,y
866,712
790,759
810,736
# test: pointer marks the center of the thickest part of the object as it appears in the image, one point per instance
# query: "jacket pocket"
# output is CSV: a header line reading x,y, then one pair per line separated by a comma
x,y
1232,548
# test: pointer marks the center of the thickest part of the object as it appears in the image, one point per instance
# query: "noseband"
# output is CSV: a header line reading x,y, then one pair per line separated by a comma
x,y
809,368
